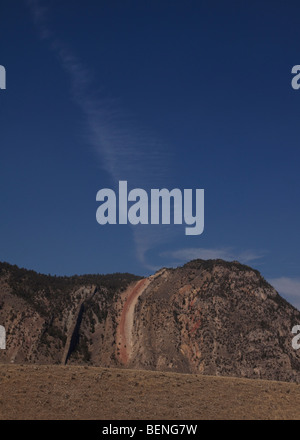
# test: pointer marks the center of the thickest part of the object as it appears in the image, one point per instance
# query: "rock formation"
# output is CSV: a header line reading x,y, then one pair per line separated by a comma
x,y
209,317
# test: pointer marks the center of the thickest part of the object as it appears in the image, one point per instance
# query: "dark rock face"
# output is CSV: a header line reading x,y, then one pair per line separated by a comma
x,y
208,317
58,319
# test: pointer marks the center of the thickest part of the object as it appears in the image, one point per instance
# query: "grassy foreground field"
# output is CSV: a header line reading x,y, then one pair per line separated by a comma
x,y
72,392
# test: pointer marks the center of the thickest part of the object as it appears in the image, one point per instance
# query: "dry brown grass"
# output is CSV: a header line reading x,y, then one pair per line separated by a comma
x,y
71,392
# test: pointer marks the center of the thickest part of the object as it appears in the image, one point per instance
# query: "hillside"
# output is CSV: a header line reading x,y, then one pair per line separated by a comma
x,y
71,392
207,317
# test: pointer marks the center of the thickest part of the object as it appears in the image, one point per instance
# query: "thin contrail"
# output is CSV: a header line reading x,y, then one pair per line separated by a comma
x,y
125,152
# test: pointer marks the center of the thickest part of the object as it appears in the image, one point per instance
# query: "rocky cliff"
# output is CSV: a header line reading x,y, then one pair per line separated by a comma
x,y
209,317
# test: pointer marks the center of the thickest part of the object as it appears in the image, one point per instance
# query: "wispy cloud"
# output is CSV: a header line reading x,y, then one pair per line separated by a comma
x,y
289,288
125,152
39,14
187,254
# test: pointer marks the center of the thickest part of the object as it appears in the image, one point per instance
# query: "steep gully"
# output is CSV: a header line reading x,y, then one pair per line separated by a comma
x,y
72,335
124,329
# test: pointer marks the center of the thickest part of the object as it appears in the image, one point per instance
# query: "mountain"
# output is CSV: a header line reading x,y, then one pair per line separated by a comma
x,y
207,317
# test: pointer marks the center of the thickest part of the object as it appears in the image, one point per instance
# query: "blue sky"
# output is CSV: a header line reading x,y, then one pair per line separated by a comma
x,y
162,94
